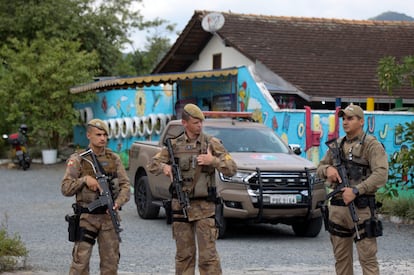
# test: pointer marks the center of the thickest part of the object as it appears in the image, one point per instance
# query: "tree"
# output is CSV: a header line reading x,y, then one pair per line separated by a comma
x,y
47,46
100,26
145,61
35,81
393,74
156,46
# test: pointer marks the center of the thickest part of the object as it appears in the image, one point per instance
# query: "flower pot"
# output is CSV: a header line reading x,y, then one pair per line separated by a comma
x,y
49,156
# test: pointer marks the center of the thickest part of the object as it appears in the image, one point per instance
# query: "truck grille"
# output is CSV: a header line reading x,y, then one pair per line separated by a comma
x,y
280,180
293,186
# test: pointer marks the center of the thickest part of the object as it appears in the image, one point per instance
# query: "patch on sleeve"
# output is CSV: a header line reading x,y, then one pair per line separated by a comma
x,y
71,162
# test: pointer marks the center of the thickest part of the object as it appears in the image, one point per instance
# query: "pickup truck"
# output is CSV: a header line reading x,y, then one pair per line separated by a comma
x,y
273,184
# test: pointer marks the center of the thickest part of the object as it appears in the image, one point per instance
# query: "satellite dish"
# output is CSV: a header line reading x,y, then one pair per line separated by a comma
x,y
212,22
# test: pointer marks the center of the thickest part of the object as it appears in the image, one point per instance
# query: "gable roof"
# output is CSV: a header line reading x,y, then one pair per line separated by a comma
x,y
323,58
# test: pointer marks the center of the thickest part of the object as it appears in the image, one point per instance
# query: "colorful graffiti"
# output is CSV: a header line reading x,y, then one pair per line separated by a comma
x,y
131,114
140,114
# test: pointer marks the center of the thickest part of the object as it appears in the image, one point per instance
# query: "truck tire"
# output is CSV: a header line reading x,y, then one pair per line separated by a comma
x,y
143,199
308,228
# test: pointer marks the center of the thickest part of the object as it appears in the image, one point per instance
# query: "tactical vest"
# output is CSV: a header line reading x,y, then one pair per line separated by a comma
x,y
196,178
356,160
108,163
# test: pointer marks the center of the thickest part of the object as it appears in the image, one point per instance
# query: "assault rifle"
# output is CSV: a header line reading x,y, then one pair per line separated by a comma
x,y
105,198
177,183
333,146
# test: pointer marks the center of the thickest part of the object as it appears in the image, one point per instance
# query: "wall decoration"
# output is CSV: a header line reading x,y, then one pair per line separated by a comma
x,y
384,132
140,102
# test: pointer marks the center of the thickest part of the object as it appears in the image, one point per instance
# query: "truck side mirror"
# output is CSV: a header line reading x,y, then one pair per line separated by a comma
x,y
295,148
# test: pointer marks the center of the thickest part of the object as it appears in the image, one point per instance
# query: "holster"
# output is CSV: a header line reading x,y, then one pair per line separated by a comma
x,y
373,227
218,217
168,211
73,227
325,214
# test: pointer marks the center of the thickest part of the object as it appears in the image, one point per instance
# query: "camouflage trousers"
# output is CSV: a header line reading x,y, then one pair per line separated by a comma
x,y
190,235
108,244
343,246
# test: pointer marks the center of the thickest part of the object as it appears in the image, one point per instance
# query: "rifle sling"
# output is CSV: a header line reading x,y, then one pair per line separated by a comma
x,y
100,167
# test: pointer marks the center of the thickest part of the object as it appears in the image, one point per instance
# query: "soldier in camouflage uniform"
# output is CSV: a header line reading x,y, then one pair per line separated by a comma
x,y
367,170
80,181
199,155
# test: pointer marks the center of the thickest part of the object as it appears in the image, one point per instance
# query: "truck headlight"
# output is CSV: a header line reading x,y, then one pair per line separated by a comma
x,y
239,177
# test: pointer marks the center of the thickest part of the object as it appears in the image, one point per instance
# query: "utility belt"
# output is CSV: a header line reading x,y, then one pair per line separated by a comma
x,y
79,209
360,201
211,195
177,215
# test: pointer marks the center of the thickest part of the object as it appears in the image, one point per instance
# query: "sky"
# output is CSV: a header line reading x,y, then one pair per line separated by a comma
x,y
181,11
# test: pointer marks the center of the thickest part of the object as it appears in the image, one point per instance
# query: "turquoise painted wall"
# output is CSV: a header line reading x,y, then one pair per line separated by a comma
x,y
291,124
131,114
140,114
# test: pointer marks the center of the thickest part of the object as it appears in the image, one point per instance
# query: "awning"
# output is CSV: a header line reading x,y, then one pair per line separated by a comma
x,y
117,83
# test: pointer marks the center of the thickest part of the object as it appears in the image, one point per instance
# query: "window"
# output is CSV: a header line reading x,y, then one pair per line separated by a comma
x,y
216,61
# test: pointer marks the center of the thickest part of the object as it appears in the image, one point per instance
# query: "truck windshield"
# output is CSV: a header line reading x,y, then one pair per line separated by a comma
x,y
248,139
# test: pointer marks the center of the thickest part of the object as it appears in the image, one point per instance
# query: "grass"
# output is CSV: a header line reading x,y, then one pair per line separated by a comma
x,y
400,206
10,248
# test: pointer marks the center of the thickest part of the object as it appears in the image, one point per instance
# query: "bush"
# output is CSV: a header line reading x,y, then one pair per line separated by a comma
x,y
401,207
393,196
10,246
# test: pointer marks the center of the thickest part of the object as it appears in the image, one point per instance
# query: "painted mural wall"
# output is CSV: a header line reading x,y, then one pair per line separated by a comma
x,y
131,114
141,114
312,128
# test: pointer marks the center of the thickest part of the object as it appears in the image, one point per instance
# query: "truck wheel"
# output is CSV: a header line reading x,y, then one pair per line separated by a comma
x,y
143,199
309,228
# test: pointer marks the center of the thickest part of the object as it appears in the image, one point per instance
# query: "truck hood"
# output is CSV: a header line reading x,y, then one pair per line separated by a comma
x,y
268,162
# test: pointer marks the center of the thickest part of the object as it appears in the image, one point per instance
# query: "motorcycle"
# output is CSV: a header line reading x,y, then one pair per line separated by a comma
x,y
19,151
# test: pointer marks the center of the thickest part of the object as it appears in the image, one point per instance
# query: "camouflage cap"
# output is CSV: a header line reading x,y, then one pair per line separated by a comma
x,y
352,110
193,111
97,123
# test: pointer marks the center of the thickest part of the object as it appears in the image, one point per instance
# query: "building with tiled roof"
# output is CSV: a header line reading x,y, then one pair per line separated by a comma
x,y
317,60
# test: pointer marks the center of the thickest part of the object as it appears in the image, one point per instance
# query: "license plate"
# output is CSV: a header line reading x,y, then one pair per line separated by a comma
x,y
283,199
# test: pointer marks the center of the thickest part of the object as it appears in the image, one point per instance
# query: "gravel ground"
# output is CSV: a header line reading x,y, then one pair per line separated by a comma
x,y
32,206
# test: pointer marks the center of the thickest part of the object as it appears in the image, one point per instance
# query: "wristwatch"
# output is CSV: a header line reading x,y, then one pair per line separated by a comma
x,y
355,191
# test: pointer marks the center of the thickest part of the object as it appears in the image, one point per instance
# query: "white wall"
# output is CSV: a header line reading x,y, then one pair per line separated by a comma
x,y
229,56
